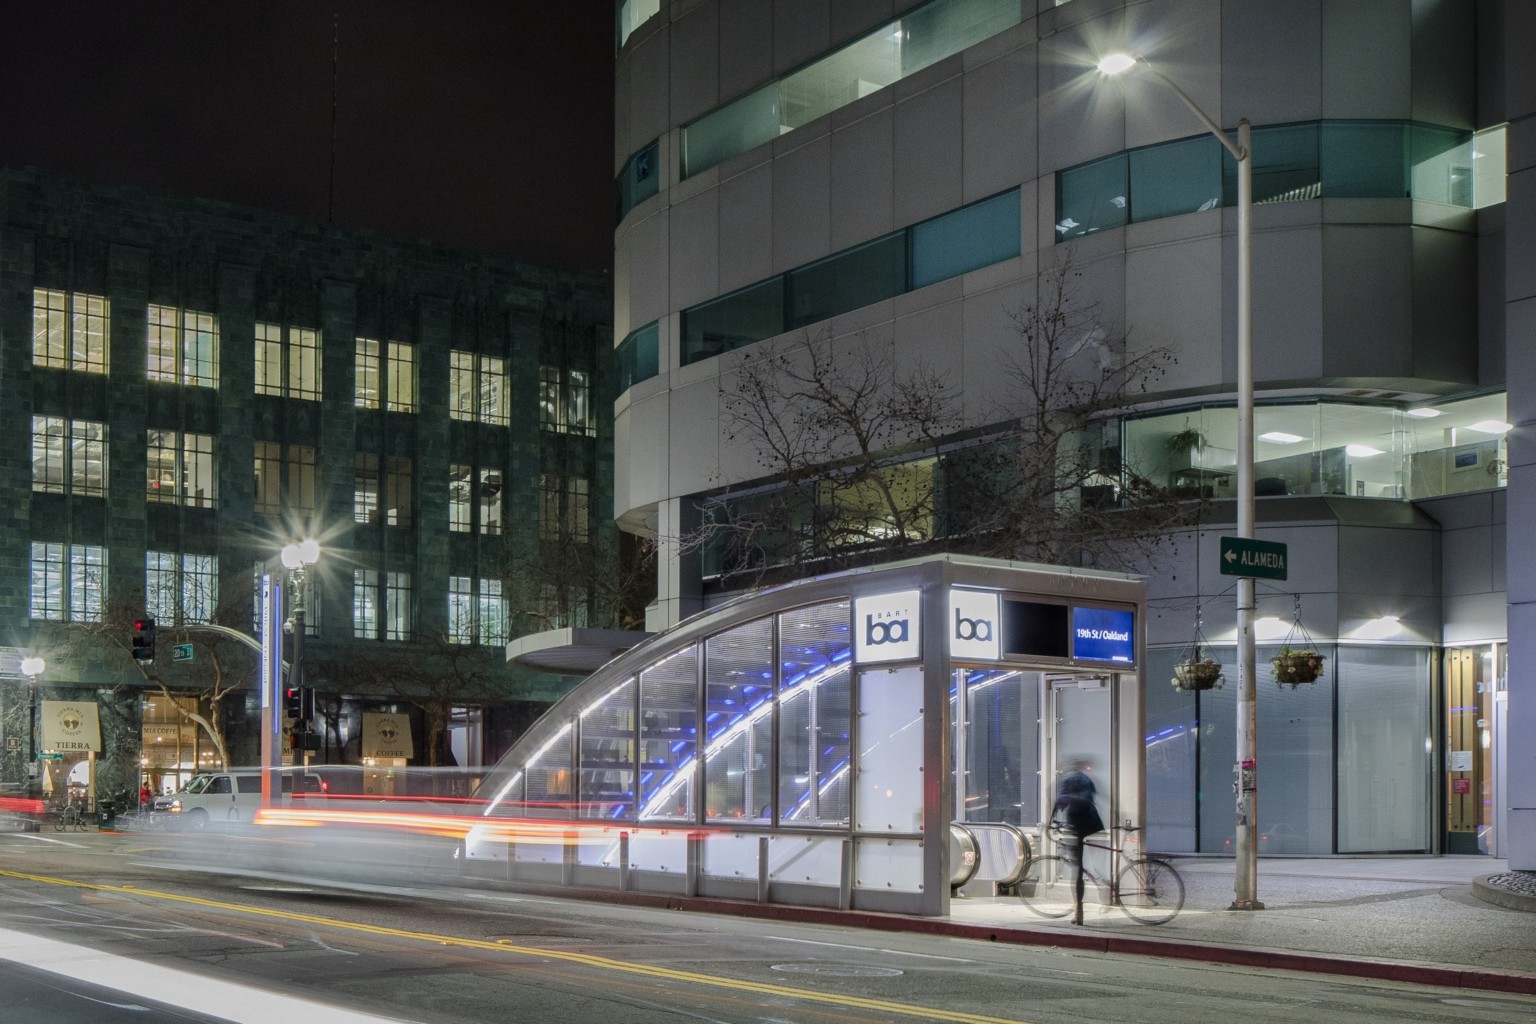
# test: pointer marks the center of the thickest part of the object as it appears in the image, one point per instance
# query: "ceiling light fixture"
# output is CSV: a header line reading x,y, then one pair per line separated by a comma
x,y
1281,437
1491,427
1361,451
1424,413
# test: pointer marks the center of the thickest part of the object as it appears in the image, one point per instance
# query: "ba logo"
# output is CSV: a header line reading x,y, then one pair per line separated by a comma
x,y
893,631
972,629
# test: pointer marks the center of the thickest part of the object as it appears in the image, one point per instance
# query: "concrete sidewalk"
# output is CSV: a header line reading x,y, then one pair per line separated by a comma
x,y
1404,918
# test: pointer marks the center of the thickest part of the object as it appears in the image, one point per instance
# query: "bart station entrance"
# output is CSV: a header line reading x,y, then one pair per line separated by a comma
x,y
875,739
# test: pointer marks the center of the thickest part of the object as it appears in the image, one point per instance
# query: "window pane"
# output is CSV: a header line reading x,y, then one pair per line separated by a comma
x,y
461,385
397,491
738,723
638,357
160,470
840,78
1286,166
974,236
1177,177
162,347
402,377
199,485
733,128
365,488
88,458
669,694
269,359
639,180
48,454
1002,746
48,320
269,477
1091,198
462,617
397,606
860,276
1441,165
460,486
937,30
814,715
365,604
734,320
367,372
304,363
200,366
490,501
1364,160
493,391
88,333
606,755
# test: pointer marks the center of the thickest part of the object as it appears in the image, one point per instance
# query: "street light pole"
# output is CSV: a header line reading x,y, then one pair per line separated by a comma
x,y
1245,772
32,667
298,558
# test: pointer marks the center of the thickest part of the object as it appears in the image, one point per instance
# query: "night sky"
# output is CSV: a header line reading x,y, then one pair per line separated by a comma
x,y
474,123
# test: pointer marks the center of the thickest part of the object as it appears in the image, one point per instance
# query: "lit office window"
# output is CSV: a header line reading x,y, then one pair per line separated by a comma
x,y
365,488
397,606
69,456
460,498
68,581
272,468
477,388
401,382
288,361
369,371
490,501
69,330
301,478
365,604
477,611
381,498
183,347
397,491
180,588
179,469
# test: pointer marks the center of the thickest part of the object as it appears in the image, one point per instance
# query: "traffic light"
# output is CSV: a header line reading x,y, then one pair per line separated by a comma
x,y
144,639
299,705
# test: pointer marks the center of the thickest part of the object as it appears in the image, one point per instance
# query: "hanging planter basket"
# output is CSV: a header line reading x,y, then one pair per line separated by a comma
x,y
1194,670
1298,661
1197,674
1293,666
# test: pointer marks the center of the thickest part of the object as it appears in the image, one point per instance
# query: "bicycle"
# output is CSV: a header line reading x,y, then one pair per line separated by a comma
x,y
1148,889
72,816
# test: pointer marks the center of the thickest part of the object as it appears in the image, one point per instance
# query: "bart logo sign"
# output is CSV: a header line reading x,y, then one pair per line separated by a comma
x,y
386,735
71,726
886,627
973,625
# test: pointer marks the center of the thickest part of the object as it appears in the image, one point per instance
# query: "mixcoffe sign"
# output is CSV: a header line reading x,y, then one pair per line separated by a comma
x,y
983,625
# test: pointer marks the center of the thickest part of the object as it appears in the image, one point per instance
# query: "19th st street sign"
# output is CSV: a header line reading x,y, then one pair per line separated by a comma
x,y
1259,559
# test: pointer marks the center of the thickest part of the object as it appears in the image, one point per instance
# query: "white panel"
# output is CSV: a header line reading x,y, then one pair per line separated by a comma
x,y
664,851
802,203
1367,59
746,227
862,180
694,246
1254,84
598,847
695,64
695,437
893,865
889,797
813,860
729,855
1173,298
999,102
648,266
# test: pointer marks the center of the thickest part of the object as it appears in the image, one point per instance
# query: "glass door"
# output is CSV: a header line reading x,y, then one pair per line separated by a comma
x,y
1472,676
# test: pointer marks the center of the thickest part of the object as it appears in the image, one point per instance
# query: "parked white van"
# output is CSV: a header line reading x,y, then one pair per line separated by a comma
x,y
229,796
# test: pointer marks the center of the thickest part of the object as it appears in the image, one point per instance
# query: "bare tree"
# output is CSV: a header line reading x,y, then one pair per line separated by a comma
x,y
603,581
860,460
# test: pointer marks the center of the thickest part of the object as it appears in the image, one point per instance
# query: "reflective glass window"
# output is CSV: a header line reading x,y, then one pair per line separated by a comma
x,y
639,180
1440,161
938,30
633,14
1091,198
669,697
545,786
731,321
1384,749
1172,735
856,277
734,128
1002,745
815,715
1286,166
606,748
1490,166
973,236
638,356
738,724
1177,177
1363,159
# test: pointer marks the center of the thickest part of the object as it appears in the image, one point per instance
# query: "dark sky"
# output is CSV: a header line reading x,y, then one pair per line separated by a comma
x,y
486,124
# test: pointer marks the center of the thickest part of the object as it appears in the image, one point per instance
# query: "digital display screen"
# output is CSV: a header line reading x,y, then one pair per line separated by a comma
x,y
1031,628
1104,634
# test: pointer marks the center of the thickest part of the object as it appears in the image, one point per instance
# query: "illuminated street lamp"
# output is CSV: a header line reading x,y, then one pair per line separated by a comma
x,y
1246,769
297,558
32,667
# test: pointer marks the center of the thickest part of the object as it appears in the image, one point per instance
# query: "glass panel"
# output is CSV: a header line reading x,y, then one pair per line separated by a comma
x,y
738,723
857,277
1364,160
669,697
890,750
1441,165
1367,442
607,755
973,236
1285,166
1296,765
638,356
633,14
814,715
1173,729
547,781
733,128
1455,447
1091,198
1177,177
639,180
1002,746
1384,744
838,79
940,29
731,321
1489,166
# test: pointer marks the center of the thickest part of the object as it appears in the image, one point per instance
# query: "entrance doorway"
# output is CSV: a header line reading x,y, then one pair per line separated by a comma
x,y
1475,688
1080,730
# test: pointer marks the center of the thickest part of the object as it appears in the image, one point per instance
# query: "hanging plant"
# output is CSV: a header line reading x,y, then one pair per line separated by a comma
x,y
1192,671
1197,674
1293,666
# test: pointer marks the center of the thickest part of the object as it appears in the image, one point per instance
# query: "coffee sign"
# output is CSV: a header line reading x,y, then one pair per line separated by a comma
x,y
71,726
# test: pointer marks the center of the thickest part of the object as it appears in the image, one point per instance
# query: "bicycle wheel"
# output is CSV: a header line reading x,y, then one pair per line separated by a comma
x,y
1046,887
60,823
1151,891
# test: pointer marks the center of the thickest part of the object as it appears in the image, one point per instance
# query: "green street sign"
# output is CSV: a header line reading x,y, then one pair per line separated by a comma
x,y
181,652
50,756
1258,559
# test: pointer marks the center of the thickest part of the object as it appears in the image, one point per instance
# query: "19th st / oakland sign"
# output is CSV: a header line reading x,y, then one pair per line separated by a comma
x,y
1259,559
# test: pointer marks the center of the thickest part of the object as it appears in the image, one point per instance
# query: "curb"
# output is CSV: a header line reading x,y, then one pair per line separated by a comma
x,y
1506,898
1412,972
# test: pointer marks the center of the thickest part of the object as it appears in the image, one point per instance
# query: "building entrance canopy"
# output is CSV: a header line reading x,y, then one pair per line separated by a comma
x,y
788,745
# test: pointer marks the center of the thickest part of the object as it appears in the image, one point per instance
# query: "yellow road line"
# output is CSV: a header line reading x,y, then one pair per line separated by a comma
x,y
587,960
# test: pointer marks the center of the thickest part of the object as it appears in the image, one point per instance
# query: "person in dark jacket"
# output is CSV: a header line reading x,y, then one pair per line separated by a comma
x,y
1075,809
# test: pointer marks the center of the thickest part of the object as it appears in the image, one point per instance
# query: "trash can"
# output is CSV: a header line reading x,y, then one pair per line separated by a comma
x,y
106,812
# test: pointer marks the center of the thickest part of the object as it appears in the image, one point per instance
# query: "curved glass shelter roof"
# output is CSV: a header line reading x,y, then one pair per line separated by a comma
x,y
802,716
